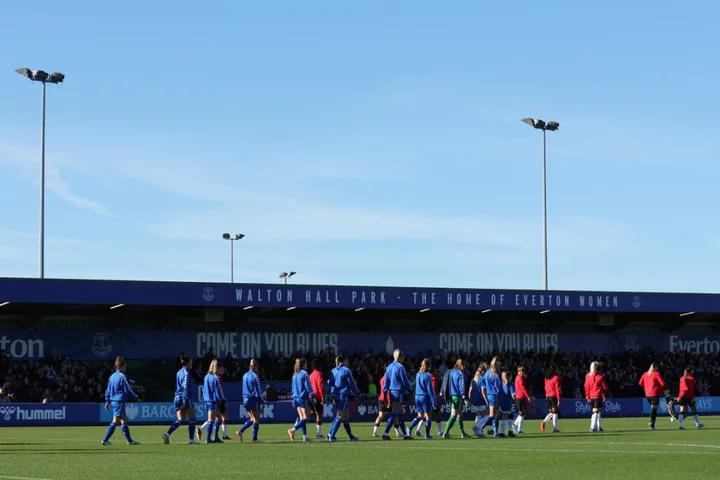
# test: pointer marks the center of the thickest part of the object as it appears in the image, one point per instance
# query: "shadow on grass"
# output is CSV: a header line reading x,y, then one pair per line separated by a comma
x,y
70,451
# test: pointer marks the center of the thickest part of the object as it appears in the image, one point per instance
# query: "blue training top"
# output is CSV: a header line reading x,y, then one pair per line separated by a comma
x,y
477,385
118,389
506,394
424,388
301,387
183,384
457,384
212,389
251,385
342,382
396,379
493,383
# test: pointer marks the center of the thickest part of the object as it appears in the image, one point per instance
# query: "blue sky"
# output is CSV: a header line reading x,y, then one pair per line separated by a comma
x,y
365,142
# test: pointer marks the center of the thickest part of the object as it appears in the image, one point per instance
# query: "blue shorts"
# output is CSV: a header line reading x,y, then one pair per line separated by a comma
x,y
341,402
118,409
178,404
492,400
423,404
299,402
211,406
251,404
396,397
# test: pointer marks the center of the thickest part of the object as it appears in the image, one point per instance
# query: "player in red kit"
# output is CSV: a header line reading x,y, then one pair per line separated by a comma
x,y
318,403
596,391
654,386
686,398
522,398
552,398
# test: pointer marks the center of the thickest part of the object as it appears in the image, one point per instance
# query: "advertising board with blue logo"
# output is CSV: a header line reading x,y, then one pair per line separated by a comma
x,y
705,405
24,414
45,414
94,345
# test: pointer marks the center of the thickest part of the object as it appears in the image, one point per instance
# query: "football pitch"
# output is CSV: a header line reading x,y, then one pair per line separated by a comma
x,y
626,450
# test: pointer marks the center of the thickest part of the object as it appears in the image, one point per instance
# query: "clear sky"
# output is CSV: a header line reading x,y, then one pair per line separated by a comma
x,y
365,142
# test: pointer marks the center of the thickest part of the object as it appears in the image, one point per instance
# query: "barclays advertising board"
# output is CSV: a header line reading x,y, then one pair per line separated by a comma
x,y
283,412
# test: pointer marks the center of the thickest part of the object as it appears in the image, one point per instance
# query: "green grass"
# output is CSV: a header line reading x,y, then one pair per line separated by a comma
x,y
626,450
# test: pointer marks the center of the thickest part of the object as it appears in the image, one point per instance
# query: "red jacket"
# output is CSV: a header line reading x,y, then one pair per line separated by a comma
x,y
595,386
552,387
436,386
316,382
687,387
653,384
521,390
384,396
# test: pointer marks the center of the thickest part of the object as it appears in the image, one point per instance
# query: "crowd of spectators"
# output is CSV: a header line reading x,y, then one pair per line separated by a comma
x,y
58,379
622,372
55,378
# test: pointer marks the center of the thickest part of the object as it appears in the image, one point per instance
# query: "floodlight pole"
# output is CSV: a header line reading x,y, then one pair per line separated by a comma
x,y
232,258
42,186
552,126
545,238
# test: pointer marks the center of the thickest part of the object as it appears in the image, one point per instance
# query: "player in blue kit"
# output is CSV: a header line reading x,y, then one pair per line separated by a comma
x,y
184,406
342,387
117,393
213,396
425,402
302,392
506,398
493,384
478,400
252,401
396,384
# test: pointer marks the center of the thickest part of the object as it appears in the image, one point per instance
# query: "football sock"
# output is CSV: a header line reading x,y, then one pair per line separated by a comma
x,y
109,433
174,427
126,432
555,421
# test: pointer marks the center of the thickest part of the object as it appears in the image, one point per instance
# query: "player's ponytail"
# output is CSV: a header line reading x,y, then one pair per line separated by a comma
x,y
505,377
493,366
652,369
213,367
459,365
425,365
298,365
